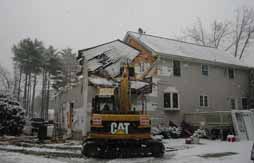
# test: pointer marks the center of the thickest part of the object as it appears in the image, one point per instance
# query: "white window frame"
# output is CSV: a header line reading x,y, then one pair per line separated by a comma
x,y
171,100
203,100
202,72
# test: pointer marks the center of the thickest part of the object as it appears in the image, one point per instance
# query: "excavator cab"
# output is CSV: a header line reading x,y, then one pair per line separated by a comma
x,y
104,101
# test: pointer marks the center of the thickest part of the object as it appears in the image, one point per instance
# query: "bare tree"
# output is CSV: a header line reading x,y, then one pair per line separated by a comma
x,y
220,32
5,79
243,30
212,37
233,36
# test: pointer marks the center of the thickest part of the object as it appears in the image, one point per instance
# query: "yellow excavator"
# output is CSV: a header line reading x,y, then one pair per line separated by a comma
x,y
117,131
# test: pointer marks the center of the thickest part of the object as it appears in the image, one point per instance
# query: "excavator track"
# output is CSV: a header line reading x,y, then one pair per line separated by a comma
x,y
122,148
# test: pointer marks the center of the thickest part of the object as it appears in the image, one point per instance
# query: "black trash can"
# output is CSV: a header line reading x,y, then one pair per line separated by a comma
x,y
42,133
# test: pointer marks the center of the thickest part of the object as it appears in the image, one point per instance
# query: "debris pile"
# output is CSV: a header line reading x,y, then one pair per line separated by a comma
x,y
167,132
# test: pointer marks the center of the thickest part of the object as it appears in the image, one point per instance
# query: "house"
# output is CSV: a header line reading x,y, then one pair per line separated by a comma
x,y
188,77
102,68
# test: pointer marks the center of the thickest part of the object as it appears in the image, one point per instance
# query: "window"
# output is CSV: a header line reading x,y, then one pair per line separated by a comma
x,y
142,67
176,68
167,100
204,69
203,101
232,104
244,103
171,100
175,100
231,73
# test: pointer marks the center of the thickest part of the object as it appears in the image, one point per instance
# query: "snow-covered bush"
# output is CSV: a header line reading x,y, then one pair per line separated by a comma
x,y
167,132
12,117
175,132
200,133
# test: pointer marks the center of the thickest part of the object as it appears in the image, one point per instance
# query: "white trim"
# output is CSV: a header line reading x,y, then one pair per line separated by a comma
x,y
171,101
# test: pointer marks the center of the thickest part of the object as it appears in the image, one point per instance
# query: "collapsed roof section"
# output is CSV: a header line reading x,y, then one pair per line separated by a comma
x,y
107,58
100,81
106,82
104,63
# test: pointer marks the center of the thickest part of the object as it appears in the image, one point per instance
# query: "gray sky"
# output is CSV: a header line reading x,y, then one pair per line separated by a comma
x,y
79,24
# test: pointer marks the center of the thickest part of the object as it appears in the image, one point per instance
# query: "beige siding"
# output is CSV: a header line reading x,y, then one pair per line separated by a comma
x,y
191,84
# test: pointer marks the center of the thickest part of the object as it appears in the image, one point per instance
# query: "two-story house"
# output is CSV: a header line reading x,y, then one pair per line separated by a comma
x,y
189,77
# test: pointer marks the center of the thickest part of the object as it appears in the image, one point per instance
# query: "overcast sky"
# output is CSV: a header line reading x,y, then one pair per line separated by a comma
x,y
79,24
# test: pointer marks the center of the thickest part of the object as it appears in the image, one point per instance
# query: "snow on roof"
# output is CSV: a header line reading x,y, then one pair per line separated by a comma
x,y
100,81
183,49
103,56
96,80
138,84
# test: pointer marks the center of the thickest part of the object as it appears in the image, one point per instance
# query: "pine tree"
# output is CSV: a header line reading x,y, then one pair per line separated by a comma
x,y
28,57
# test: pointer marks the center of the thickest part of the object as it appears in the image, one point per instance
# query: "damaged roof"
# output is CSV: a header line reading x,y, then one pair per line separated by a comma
x,y
109,56
178,48
101,81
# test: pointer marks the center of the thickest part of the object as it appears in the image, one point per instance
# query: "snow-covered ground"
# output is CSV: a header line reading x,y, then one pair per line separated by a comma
x,y
10,157
177,152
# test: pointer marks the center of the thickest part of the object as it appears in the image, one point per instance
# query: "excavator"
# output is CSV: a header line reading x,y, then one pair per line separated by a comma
x,y
116,130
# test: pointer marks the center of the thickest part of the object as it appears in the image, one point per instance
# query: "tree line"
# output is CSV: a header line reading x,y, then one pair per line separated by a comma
x,y
41,71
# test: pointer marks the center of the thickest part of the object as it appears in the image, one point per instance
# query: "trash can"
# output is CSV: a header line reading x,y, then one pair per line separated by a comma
x,y
42,133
